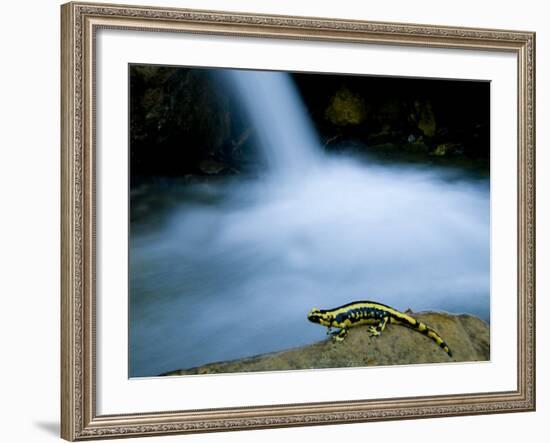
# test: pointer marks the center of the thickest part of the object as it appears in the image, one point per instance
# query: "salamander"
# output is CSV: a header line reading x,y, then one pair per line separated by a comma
x,y
375,315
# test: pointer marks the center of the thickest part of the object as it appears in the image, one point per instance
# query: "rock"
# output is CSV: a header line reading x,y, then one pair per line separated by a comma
x,y
177,118
389,113
446,149
212,167
466,335
346,108
424,117
416,145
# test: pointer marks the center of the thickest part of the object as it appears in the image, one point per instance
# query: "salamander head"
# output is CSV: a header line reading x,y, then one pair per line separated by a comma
x,y
320,316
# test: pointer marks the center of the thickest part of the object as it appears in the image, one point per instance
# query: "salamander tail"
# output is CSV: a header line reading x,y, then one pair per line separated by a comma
x,y
437,338
423,328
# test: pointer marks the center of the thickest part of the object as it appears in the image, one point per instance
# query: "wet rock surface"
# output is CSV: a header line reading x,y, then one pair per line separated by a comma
x,y
466,335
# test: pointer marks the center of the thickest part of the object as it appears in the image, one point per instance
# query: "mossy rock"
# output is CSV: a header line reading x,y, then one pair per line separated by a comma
x,y
446,149
212,167
346,108
424,117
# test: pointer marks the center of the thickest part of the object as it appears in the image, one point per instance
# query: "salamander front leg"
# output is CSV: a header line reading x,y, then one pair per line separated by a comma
x,y
340,335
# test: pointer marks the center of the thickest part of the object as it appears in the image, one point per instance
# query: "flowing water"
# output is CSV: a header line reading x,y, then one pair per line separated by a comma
x,y
286,137
229,270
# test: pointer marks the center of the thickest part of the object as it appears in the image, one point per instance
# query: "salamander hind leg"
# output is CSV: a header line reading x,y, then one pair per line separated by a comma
x,y
375,331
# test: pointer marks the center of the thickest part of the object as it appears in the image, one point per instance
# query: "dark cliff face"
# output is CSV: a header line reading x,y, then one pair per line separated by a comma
x,y
414,114
466,335
187,121
178,118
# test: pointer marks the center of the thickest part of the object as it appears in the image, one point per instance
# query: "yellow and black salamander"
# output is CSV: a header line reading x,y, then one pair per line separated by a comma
x,y
375,315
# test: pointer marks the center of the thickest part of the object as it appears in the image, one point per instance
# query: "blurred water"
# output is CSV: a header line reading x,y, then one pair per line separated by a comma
x,y
232,269
228,270
287,139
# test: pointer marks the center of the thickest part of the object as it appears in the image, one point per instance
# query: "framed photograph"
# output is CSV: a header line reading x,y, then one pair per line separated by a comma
x,y
282,221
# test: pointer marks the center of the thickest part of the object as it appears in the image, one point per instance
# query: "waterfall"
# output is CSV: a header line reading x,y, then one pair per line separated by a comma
x,y
287,139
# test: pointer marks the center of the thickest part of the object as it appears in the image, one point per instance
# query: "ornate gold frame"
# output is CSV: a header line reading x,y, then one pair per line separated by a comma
x,y
79,420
